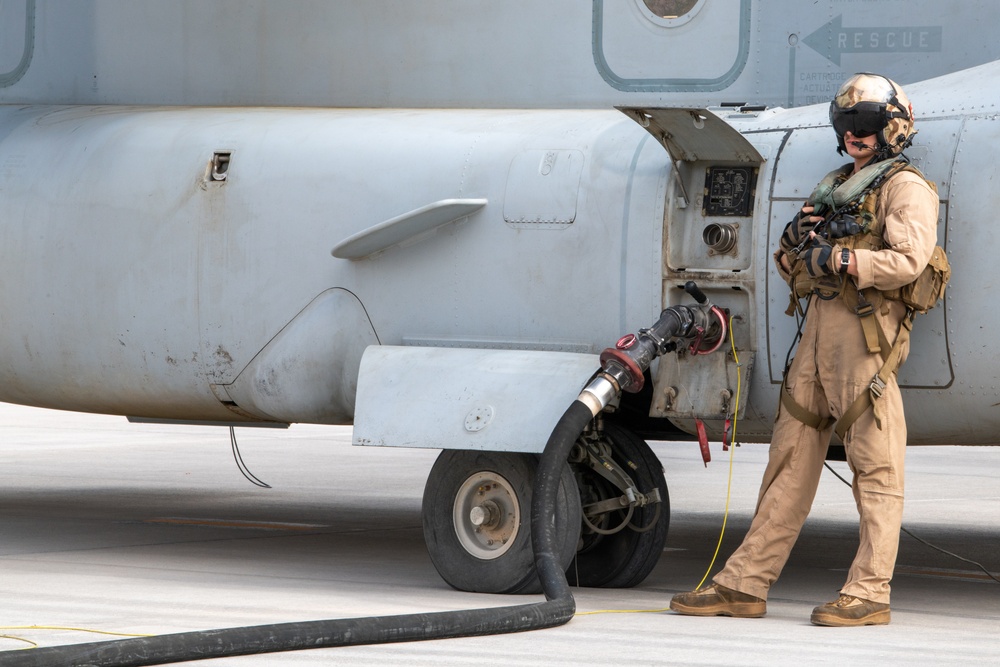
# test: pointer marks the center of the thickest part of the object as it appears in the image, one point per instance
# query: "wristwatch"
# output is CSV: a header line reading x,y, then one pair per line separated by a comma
x,y
845,259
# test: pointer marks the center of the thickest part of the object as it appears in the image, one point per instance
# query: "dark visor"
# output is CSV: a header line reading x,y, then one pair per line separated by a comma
x,y
862,120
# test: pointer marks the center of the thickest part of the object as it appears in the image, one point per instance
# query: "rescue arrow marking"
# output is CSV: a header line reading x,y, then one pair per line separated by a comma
x,y
833,40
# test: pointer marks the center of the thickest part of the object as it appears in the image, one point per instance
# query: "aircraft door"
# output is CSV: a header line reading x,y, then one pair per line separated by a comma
x,y
18,29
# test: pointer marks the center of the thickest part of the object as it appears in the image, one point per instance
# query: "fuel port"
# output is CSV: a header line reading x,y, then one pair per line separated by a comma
x,y
720,238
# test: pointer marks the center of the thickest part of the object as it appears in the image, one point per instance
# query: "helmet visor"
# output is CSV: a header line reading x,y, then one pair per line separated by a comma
x,y
861,120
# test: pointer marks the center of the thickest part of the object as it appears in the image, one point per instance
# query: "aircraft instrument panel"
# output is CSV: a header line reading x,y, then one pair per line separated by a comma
x,y
729,191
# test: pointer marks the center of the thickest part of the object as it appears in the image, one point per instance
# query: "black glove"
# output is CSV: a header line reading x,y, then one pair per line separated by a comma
x,y
817,258
795,231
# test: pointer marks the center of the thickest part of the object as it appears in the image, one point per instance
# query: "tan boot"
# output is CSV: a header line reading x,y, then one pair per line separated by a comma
x,y
716,600
848,610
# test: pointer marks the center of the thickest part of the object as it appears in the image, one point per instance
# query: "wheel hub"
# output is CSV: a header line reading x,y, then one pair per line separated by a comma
x,y
486,515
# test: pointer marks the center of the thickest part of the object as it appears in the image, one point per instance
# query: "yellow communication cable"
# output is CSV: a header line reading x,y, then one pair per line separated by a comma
x,y
58,627
20,639
732,449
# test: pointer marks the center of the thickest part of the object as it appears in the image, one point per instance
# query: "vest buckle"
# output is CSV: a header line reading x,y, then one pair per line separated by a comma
x,y
877,386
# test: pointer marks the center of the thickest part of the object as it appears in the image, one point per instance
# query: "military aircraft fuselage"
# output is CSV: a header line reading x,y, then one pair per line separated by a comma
x,y
232,264
476,53
156,289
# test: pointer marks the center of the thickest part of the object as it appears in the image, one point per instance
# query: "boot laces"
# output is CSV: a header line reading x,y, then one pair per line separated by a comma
x,y
846,601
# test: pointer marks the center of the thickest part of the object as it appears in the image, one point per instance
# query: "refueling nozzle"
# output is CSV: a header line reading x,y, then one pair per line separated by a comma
x,y
623,366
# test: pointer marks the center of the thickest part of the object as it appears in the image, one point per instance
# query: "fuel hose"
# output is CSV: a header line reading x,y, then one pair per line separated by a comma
x,y
557,609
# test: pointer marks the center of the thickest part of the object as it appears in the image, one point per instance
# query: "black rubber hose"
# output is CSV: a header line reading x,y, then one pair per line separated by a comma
x,y
543,528
558,608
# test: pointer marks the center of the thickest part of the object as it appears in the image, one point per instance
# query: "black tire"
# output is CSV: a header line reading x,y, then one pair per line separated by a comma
x,y
460,480
623,559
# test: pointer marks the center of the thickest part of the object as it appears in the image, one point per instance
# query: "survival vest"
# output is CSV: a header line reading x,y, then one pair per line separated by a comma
x,y
841,193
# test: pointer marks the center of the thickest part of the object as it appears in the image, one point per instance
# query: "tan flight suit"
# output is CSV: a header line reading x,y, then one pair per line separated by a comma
x,y
831,367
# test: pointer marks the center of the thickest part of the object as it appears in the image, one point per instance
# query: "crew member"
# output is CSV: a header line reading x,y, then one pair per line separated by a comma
x,y
867,231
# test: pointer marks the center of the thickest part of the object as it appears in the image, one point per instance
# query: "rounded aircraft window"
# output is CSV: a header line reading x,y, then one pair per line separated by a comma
x,y
670,13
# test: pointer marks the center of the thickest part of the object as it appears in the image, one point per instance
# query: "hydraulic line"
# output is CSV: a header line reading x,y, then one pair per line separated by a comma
x,y
622,369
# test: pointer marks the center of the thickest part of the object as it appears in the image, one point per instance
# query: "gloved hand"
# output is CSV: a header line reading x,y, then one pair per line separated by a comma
x,y
797,229
817,256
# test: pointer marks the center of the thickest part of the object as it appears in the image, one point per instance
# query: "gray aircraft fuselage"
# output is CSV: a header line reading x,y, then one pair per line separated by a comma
x,y
192,297
475,53
229,257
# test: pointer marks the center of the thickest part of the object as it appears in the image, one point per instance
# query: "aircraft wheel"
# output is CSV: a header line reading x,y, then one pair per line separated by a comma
x,y
477,516
625,558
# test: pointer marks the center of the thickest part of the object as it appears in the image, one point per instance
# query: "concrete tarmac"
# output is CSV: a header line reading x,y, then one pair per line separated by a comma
x,y
150,529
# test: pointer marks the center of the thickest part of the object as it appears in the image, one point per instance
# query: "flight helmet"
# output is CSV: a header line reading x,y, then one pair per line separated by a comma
x,y
873,104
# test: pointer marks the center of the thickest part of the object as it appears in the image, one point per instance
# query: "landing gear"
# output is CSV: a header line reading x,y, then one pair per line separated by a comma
x,y
476,516
625,524
477,504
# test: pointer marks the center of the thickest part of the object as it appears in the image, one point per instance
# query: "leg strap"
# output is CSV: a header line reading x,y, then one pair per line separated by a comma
x,y
800,413
865,399
877,386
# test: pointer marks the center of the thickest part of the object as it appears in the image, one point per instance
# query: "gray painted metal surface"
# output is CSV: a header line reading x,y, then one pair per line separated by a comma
x,y
201,299
214,300
232,263
201,221
475,53
495,400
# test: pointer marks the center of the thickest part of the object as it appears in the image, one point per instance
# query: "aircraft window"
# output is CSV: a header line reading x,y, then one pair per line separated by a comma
x,y
671,13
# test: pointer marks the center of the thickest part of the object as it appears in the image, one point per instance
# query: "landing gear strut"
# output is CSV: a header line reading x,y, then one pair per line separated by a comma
x,y
625,508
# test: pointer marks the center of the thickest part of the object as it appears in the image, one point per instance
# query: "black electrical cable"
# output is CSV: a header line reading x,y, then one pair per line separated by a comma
x,y
558,608
243,466
800,321
923,541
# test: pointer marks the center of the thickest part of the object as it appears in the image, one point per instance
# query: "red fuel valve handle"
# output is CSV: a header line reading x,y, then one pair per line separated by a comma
x,y
706,454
